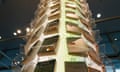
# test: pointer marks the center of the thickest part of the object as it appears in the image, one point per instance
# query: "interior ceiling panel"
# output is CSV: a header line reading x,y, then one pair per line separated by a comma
x,y
107,8
18,14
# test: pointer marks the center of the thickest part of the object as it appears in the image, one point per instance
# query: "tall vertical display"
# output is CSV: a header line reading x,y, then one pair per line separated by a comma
x,y
61,39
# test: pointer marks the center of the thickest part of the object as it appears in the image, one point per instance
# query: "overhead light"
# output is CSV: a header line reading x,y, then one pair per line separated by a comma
x,y
27,29
14,33
0,37
48,49
18,62
18,31
99,15
115,38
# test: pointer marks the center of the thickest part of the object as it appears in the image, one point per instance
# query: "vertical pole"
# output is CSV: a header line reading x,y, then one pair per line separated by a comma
x,y
62,48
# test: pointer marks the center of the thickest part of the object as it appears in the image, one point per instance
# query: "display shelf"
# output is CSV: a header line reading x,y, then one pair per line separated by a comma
x,y
92,70
71,28
94,56
72,37
46,66
46,50
50,39
72,16
52,27
54,15
56,5
75,67
78,47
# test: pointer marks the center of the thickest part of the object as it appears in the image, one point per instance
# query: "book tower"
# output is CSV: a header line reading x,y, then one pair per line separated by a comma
x,y
62,39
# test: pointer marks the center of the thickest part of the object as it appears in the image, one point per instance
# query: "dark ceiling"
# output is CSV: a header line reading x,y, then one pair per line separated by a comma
x,y
107,8
17,14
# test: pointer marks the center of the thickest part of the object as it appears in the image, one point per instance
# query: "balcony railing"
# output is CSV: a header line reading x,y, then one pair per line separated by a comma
x,y
78,47
73,29
52,27
47,50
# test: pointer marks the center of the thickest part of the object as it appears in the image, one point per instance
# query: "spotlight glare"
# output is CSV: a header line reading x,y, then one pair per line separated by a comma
x,y
99,15
115,39
27,29
14,33
0,37
18,31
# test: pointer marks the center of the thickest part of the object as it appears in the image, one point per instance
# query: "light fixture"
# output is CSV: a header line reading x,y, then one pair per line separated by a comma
x,y
18,62
0,37
14,33
18,31
27,29
115,39
48,49
99,15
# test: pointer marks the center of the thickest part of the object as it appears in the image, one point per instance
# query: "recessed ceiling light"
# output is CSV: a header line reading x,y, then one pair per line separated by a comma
x,y
18,31
0,37
14,33
115,38
99,15
27,29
